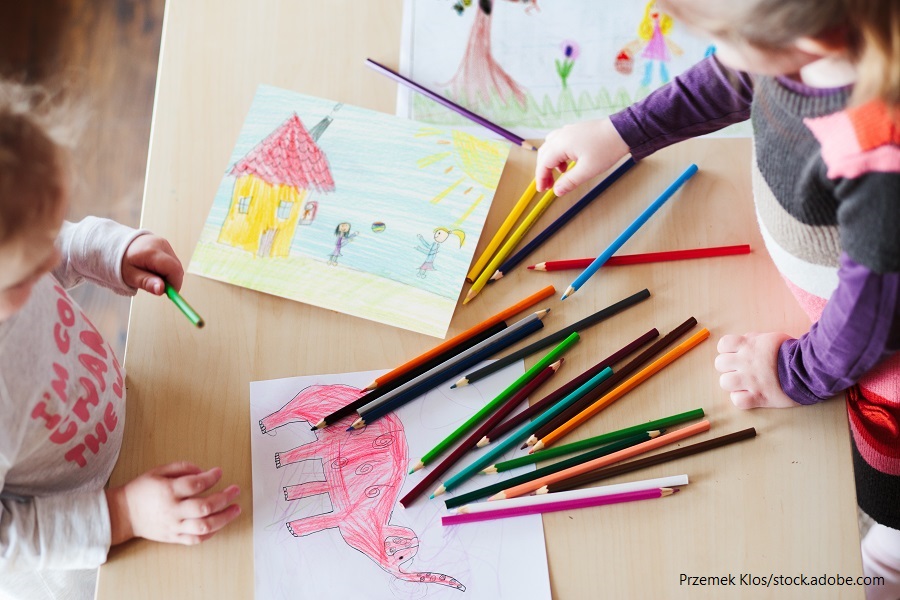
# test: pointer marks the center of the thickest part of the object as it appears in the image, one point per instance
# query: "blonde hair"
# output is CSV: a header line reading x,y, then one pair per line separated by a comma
x,y
645,28
869,29
34,156
457,232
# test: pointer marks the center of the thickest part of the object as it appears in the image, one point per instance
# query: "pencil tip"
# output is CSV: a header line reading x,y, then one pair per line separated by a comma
x,y
453,387
498,275
530,267
417,466
497,496
441,489
483,442
569,291
528,146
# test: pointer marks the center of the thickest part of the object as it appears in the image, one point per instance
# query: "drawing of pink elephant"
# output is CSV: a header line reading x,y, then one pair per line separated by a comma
x,y
364,472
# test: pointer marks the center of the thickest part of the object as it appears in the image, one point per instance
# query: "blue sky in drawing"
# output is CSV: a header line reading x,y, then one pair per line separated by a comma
x,y
373,159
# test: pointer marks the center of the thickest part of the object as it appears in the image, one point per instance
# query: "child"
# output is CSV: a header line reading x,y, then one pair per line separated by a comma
x,y
62,392
820,81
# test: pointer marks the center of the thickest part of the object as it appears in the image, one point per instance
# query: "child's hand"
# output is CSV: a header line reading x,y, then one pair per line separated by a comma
x,y
165,504
595,146
748,364
149,262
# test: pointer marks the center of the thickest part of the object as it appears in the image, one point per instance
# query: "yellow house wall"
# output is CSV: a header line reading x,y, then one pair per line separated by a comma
x,y
243,230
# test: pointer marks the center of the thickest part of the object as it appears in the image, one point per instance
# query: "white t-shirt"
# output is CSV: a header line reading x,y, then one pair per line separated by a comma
x,y
62,412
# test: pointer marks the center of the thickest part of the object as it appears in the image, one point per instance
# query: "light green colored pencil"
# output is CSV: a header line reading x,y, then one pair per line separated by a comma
x,y
180,302
502,397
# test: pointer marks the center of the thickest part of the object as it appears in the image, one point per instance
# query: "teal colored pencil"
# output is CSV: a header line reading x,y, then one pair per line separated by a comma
x,y
598,440
522,433
488,408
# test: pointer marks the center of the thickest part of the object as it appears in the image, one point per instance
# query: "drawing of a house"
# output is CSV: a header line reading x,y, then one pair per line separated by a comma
x,y
271,187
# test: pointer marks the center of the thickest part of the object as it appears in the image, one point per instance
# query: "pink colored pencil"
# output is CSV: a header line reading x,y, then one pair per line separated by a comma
x,y
550,506
649,257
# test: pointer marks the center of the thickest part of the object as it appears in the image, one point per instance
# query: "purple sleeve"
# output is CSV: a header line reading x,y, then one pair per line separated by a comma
x,y
703,99
859,328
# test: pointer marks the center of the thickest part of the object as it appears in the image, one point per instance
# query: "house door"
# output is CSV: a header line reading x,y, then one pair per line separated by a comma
x,y
265,243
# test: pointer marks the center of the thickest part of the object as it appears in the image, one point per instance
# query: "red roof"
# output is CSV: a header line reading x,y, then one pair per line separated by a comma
x,y
288,156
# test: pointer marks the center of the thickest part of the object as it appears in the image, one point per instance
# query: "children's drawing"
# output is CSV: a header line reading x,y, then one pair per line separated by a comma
x,y
364,472
517,68
342,237
304,169
653,44
430,249
326,518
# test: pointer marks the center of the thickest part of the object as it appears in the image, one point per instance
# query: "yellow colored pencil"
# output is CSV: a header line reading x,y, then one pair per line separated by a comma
x,y
498,238
510,245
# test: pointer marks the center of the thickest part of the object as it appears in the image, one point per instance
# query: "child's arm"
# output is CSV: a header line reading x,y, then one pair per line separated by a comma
x,y
703,99
116,257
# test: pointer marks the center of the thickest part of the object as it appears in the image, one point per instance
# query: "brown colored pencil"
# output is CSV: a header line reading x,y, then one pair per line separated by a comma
x,y
618,377
649,461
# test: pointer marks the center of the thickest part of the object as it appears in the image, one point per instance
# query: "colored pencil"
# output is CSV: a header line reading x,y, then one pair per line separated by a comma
x,y
663,440
580,326
184,307
510,244
450,344
622,373
537,455
509,135
435,472
605,490
500,398
649,461
539,315
550,506
629,231
648,257
498,238
625,387
442,375
499,486
539,406
365,398
490,457
560,221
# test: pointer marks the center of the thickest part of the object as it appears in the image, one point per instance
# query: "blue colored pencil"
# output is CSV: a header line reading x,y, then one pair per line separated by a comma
x,y
522,433
567,216
439,377
629,231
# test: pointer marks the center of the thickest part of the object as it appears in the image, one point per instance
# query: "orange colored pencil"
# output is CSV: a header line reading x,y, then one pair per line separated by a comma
x,y
663,440
625,387
468,333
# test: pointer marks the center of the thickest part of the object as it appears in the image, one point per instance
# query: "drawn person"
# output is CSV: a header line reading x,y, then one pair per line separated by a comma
x,y
653,32
342,237
430,249
309,212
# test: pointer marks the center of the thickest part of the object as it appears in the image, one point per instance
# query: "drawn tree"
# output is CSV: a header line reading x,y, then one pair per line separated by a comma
x,y
479,76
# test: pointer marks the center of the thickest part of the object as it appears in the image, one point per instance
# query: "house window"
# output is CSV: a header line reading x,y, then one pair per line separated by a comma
x,y
244,205
284,209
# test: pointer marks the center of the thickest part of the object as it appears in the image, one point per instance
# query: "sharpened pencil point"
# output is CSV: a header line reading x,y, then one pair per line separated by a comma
x,y
440,490
371,386
463,510
538,446
318,425
483,442
497,496
461,383
468,297
541,490
497,276
490,470
357,424
542,313
416,467
569,291
528,146
531,441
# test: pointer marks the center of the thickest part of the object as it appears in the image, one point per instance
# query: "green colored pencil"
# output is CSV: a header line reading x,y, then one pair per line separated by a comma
x,y
502,397
612,436
189,312
628,442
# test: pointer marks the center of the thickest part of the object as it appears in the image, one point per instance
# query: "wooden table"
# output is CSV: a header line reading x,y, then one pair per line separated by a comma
x,y
782,503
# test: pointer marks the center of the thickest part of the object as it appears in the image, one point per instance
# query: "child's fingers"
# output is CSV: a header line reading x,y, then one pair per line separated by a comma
x,y
729,343
726,362
211,524
164,266
743,399
731,382
196,508
192,485
175,469
571,179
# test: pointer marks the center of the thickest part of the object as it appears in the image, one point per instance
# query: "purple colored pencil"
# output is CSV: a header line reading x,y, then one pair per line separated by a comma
x,y
550,506
451,105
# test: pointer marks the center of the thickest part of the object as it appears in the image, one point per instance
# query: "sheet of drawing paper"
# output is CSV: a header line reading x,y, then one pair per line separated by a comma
x,y
349,209
532,66
326,517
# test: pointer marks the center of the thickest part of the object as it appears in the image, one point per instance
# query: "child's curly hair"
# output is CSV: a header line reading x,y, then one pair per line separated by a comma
x,y
34,156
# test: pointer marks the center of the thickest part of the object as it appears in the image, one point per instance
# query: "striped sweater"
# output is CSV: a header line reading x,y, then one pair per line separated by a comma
x,y
826,183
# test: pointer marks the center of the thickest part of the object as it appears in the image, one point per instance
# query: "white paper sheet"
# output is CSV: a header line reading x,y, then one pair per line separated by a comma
x,y
492,560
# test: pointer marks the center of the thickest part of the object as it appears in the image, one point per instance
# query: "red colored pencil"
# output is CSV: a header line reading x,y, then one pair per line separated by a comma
x,y
649,257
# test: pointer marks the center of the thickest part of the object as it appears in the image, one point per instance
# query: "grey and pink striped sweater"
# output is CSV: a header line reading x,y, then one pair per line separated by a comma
x,y
826,182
